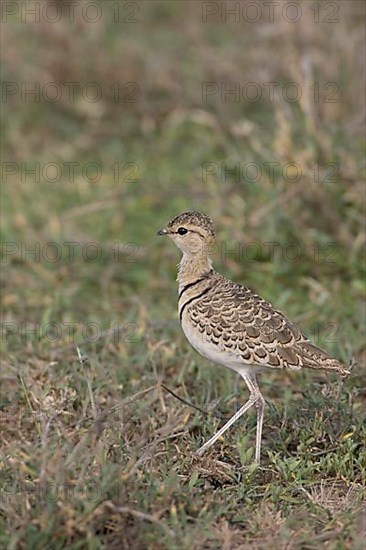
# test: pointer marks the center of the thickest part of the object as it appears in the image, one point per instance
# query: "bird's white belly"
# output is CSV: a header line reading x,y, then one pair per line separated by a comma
x,y
213,352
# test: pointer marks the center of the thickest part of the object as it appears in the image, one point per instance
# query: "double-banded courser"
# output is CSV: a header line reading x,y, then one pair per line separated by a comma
x,y
232,326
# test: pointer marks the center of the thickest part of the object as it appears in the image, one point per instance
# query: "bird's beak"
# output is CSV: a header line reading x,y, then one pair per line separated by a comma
x,y
162,232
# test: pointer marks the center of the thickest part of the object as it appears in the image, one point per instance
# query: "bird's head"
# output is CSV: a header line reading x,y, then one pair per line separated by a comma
x,y
192,232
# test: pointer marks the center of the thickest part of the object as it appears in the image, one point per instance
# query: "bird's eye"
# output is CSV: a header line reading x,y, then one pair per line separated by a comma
x,y
182,230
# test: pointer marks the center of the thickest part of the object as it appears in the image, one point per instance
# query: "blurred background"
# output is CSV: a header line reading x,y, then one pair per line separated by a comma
x,y
117,116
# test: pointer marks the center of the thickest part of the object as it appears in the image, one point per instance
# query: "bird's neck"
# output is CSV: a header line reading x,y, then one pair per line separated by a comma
x,y
192,267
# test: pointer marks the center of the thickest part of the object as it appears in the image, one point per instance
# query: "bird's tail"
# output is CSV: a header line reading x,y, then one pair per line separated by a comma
x,y
316,358
333,365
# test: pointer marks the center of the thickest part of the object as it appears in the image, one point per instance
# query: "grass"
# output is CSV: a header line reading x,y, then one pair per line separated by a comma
x,y
95,452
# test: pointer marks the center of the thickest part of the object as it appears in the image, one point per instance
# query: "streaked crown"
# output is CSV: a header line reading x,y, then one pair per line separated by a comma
x,y
193,221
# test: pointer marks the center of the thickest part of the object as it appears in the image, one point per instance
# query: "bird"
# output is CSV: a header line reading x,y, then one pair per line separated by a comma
x,y
232,326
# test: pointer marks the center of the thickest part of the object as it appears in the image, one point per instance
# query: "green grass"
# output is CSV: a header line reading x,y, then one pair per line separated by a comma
x,y
95,452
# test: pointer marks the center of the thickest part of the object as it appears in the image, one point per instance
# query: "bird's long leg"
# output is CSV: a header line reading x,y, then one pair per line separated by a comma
x,y
255,395
236,391
259,403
